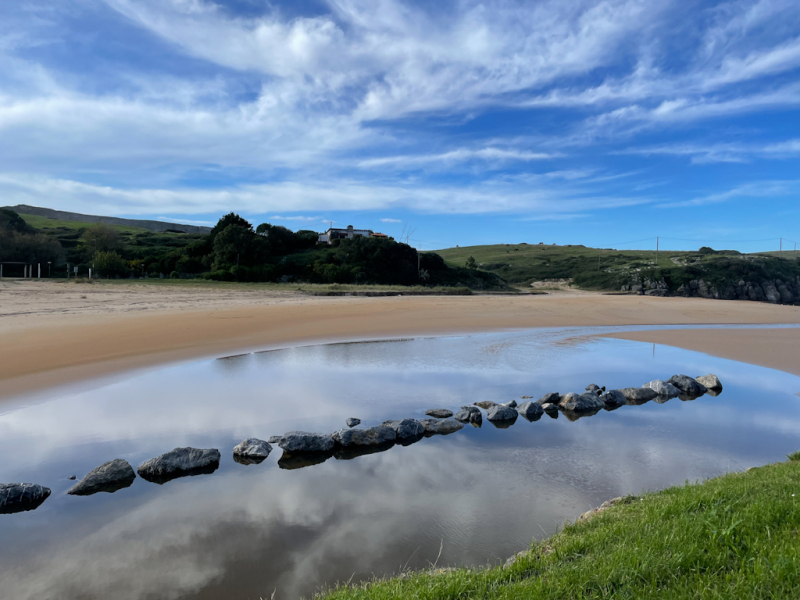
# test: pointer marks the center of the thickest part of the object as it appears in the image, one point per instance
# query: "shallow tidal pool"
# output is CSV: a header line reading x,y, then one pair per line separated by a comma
x,y
474,497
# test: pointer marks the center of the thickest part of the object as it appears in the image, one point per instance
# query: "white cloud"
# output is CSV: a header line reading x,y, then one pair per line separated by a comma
x,y
297,218
759,189
391,221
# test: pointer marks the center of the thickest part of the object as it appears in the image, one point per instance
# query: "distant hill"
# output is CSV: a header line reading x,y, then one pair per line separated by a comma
x,y
154,226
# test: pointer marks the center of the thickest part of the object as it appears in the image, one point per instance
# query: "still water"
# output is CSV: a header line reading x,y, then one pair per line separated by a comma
x,y
470,498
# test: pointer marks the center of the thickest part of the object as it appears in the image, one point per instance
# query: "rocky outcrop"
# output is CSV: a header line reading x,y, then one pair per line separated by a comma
x,y
274,439
531,411
439,413
302,441
406,429
440,426
251,451
373,436
180,462
109,477
21,497
775,291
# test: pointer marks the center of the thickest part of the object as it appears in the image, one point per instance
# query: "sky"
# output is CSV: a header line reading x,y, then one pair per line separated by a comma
x,y
599,122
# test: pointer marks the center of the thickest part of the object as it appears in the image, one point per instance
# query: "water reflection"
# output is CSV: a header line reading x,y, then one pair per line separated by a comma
x,y
300,522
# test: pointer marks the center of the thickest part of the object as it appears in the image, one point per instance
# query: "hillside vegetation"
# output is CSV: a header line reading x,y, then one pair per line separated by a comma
x,y
735,536
608,269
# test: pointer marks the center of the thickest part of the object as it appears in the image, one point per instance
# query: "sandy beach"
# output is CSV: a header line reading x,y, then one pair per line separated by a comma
x,y
56,332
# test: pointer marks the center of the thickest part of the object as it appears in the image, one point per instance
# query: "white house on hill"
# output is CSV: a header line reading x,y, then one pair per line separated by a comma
x,y
347,234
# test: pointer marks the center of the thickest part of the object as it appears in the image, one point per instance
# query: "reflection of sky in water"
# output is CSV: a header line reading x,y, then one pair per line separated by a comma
x,y
483,494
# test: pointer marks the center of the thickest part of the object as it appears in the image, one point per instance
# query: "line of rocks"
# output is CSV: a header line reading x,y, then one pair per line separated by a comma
x,y
774,291
301,449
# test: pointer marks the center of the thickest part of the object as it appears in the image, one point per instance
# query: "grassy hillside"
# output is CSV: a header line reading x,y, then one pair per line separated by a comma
x,y
607,269
735,536
55,224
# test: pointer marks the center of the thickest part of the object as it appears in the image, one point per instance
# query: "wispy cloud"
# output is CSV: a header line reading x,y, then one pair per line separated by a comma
x,y
760,189
391,221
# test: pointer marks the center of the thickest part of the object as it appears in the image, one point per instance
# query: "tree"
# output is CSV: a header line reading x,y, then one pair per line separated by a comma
x,y
11,221
110,264
101,238
471,264
230,219
237,245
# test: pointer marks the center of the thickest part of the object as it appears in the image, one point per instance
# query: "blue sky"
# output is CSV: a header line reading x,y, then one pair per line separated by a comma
x,y
463,122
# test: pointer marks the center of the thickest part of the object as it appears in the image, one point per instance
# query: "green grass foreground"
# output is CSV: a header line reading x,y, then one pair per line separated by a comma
x,y
735,536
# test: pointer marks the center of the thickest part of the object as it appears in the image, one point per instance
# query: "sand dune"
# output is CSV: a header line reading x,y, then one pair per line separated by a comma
x,y
51,333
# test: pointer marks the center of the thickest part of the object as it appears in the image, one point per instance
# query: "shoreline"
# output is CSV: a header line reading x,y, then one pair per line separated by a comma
x,y
104,331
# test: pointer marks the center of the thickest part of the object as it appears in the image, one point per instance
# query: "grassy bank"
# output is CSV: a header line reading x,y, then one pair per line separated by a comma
x,y
736,536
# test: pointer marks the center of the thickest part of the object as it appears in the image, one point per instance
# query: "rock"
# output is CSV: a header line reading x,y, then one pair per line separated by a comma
x,y
21,497
614,399
687,385
531,411
180,462
440,426
584,402
352,422
710,382
663,389
302,441
593,387
551,398
439,413
72,477
407,428
485,404
637,396
108,477
373,436
302,459
605,506
251,451
500,412
470,414
275,439
551,410
512,404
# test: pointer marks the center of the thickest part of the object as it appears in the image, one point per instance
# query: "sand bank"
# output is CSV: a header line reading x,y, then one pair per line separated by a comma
x,y
51,333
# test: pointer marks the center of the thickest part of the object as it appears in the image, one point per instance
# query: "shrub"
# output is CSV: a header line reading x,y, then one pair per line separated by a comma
x,y
174,275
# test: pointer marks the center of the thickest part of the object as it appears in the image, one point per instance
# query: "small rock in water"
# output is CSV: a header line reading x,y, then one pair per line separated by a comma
x,y
406,429
526,397
275,439
593,387
108,477
469,414
501,412
637,396
251,451
180,462
662,388
512,404
614,399
352,422
302,441
440,426
710,382
21,497
531,411
485,404
72,477
581,403
687,385
373,436
439,413
551,398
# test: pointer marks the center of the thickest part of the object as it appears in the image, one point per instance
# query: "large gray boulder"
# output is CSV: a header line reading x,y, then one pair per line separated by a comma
x,y
251,451
275,439
551,398
531,411
179,462
512,404
302,441
352,422
109,477
687,385
19,497
581,403
373,436
637,396
501,412
406,429
663,389
710,382
440,426
439,413
469,414
485,404
614,399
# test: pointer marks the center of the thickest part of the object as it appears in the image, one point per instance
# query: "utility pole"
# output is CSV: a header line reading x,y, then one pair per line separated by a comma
x,y
657,240
781,246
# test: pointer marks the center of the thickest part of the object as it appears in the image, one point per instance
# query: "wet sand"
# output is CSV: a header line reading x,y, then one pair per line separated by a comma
x,y
53,333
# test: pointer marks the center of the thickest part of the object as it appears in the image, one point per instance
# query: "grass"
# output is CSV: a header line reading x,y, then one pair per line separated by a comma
x,y
608,269
48,223
734,536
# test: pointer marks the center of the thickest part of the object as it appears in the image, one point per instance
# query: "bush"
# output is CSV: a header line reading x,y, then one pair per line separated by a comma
x,y
174,275
110,264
